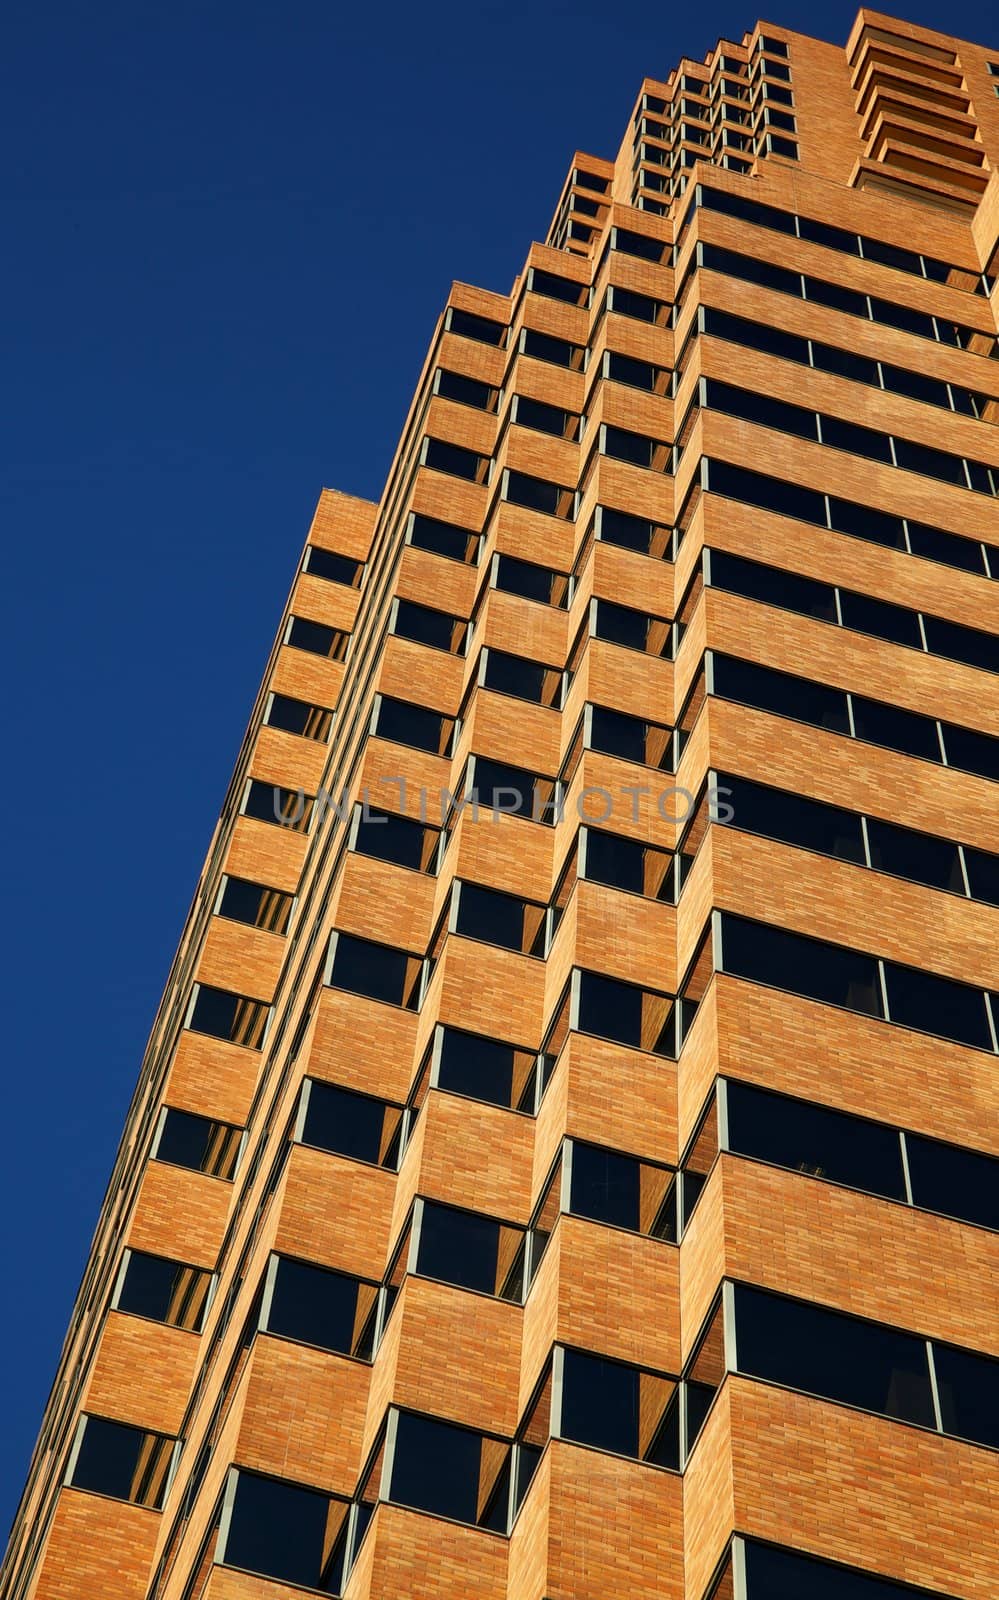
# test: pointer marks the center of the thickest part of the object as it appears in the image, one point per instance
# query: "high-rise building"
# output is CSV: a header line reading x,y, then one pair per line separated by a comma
x,y
564,1165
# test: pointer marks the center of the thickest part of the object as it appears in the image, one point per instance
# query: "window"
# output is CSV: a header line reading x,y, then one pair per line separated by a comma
x,y
622,863
895,729
924,1000
120,1461
224,1015
881,619
531,582
789,590
815,1140
543,418
425,625
254,904
810,967
640,307
778,692
417,727
558,352
917,856
502,788
983,875
626,1014
465,391
535,494
335,568
283,1531
442,538
830,1354
454,460
185,1140
316,638
316,1306
809,824
968,1385
957,643
479,1068
377,971
617,733
162,1290
621,1191
619,1408
498,918
972,751
640,245
482,329
769,494
776,1574
525,680
449,1471
350,1124
286,808
469,1250
634,630
297,716
400,840
956,1182
629,532
553,287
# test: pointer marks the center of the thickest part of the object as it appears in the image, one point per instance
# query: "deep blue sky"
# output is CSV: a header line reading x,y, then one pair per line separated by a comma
x,y
229,230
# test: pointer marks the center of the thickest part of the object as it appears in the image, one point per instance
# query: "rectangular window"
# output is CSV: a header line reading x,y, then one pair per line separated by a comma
x,y
479,1068
162,1290
450,1471
629,532
633,630
621,1191
536,494
185,1140
804,966
622,863
315,1306
465,391
531,582
620,1409
470,1250
350,1124
482,329
283,1531
222,1014
125,1463
617,733
525,680
971,751
956,1182
941,1006
543,418
400,840
557,352
443,538
626,1014
553,287
773,585
287,808
297,716
769,494
793,819
316,638
254,904
498,918
333,567
784,695
454,460
880,619
376,971
917,856
909,732
417,727
775,1574
830,1354
814,1139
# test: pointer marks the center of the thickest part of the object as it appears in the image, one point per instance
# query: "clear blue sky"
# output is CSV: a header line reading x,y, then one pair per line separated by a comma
x,y
229,230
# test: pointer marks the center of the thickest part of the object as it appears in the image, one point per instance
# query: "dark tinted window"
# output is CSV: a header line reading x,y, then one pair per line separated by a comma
x,y
163,1290
836,296
466,391
716,259
529,581
460,1247
472,327
315,637
960,1183
776,814
318,1307
907,318
808,967
957,643
541,416
415,726
774,1574
813,1139
635,630
826,1353
534,493
392,838
756,335
770,494
607,1405
772,585
484,1069
864,522
983,875
935,544
626,1014
506,788
121,1461
895,729
224,1015
437,1467
968,1385
616,733
375,970
627,864
972,751
553,287
629,370
283,1531
779,692
544,347
493,916
349,1124
845,364
424,625
605,1186
877,617
196,1142
923,1000
917,385
626,531
298,716
918,856
255,905
335,568
858,440
762,409
508,674
442,538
